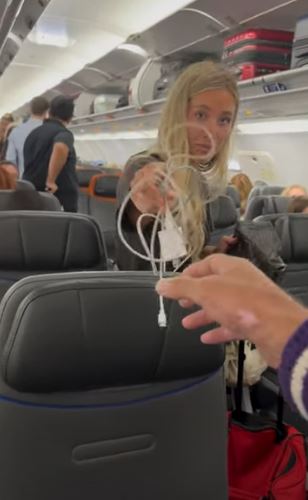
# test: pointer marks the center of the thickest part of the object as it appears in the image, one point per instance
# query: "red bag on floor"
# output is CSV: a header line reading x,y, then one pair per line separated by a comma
x,y
266,459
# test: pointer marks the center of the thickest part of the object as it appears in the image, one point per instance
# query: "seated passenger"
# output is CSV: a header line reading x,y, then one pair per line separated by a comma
x,y
244,186
194,130
299,205
294,190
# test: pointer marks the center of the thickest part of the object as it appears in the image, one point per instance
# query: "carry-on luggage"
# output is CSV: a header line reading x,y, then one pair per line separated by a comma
x,y
300,44
266,458
256,52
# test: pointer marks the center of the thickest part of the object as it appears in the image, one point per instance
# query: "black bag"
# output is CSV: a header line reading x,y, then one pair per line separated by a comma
x,y
259,243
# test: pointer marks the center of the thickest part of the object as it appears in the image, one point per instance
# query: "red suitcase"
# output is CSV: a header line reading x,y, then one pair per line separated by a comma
x,y
256,52
256,35
249,70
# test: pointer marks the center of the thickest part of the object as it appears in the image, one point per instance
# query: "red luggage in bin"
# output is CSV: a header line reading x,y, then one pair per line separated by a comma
x,y
256,52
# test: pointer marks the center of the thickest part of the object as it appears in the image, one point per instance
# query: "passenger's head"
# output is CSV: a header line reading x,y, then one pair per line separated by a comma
x,y
5,121
62,108
203,98
244,186
39,107
8,176
299,205
294,191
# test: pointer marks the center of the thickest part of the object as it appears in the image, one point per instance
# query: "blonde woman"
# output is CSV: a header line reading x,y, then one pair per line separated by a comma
x,y
198,118
294,191
244,186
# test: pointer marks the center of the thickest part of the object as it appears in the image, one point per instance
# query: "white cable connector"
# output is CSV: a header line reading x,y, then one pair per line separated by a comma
x,y
162,316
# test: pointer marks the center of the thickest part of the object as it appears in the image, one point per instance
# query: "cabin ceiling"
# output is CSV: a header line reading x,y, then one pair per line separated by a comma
x,y
89,29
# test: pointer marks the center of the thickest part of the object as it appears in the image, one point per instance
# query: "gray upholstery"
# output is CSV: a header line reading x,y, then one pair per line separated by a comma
x,y
292,230
37,242
99,402
24,185
234,194
265,191
49,201
106,186
263,205
223,216
104,213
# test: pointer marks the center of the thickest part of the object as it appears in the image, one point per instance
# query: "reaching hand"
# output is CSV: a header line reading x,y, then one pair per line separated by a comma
x,y
234,293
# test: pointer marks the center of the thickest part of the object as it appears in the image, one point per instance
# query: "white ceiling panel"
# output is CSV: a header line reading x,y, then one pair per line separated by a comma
x,y
72,34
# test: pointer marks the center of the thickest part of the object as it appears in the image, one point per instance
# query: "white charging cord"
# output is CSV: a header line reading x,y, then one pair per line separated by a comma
x,y
167,223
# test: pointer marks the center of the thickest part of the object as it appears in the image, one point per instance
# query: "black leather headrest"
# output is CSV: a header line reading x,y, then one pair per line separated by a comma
x,y
106,186
293,230
84,330
263,205
223,212
49,241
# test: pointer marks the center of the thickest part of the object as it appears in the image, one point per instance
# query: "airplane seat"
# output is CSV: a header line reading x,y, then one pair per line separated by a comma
x,y
263,205
271,190
104,213
94,391
234,194
104,186
12,200
84,176
265,190
223,217
41,242
22,184
292,230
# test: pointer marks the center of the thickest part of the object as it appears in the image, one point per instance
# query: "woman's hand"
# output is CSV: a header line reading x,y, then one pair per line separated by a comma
x,y
149,193
247,305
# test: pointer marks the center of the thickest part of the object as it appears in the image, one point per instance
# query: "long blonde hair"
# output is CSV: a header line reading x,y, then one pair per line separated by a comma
x,y
197,78
244,186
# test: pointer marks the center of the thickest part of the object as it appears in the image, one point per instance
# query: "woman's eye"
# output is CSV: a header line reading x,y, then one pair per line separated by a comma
x,y
200,115
226,120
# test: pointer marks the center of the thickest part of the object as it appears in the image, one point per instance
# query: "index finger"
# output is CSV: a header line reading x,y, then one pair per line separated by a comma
x,y
213,265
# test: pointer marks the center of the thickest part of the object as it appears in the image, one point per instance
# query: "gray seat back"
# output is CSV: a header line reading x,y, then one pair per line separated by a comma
x,y
234,194
40,242
293,230
263,205
97,393
26,198
265,190
223,217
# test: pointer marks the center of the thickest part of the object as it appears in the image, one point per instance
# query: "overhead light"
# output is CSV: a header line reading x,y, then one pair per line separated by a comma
x,y
233,165
57,38
101,28
135,49
273,127
115,136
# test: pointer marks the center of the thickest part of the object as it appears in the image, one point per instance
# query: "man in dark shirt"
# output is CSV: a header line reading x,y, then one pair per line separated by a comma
x,y
49,155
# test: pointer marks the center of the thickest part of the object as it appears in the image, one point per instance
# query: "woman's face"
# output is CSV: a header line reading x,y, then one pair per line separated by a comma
x,y
212,110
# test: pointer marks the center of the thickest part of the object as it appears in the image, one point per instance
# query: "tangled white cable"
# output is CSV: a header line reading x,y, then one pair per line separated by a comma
x,y
172,244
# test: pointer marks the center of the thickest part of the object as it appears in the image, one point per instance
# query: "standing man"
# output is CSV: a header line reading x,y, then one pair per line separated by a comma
x,y
49,154
14,153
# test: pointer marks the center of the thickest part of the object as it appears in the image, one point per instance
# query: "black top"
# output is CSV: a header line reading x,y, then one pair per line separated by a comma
x,y
37,152
127,261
